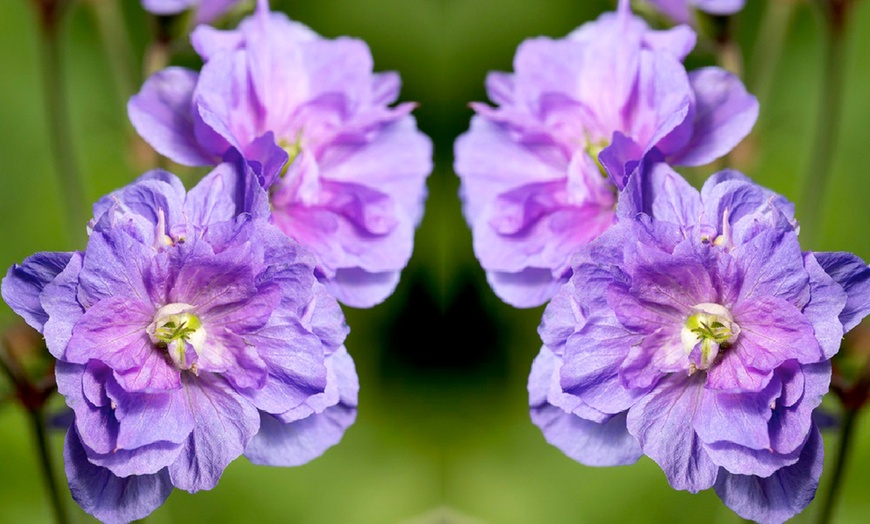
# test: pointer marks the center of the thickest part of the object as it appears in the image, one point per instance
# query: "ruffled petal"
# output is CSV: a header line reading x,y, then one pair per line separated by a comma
x,y
305,433
106,496
780,496
724,114
161,114
853,275
663,422
23,284
587,442
59,300
225,424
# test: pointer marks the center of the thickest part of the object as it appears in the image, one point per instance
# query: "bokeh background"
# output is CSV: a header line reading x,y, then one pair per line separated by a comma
x,y
443,433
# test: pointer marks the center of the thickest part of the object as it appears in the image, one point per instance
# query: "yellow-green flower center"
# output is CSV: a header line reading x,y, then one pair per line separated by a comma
x,y
179,332
710,329
593,149
293,150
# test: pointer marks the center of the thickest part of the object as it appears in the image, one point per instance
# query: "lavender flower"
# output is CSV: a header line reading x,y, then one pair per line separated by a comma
x,y
186,335
346,173
702,338
680,11
541,171
206,10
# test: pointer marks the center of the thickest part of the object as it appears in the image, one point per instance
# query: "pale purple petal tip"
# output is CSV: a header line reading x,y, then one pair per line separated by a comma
x,y
780,496
160,112
107,497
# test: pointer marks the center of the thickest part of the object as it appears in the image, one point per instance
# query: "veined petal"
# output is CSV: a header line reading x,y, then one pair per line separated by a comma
x,y
738,418
295,443
115,264
853,274
294,361
146,418
114,331
780,496
724,114
591,367
60,302
773,331
826,307
342,386
225,424
587,442
280,443
23,285
106,496
161,114
664,421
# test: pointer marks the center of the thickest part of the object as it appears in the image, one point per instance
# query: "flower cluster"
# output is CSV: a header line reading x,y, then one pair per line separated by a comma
x,y
345,172
686,326
695,331
572,122
186,334
199,326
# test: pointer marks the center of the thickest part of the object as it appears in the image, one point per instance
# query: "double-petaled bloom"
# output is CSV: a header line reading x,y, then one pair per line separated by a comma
x,y
345,171
540,172
186,334
695,331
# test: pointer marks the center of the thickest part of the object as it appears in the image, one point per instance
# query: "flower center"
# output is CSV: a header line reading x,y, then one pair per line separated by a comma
x,y
710,329
179,332
293,149
301,174
593,149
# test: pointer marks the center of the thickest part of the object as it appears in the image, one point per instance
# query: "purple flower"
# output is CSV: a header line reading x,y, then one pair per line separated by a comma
x,y
346,173
186,334
206,10
700,337
540,172
681,10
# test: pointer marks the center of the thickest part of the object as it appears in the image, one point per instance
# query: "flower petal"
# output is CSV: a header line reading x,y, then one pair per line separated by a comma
x,y
161,114
724,114
663,422
114,331
107,496
587,442
780,496
295,443
23,284
225,424
825,309
305,432
853,274
773,331
60,302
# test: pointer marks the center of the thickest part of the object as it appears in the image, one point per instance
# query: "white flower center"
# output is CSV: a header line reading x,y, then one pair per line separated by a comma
x,y
178,331
708,330
301,172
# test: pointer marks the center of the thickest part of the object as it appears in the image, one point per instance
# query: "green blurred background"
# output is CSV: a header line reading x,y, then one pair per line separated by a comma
x,y
443,433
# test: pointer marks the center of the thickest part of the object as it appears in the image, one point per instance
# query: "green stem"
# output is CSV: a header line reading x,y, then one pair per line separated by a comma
x,y
33,401
116,43
829,498
37,420
827,123
57,111
768,46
